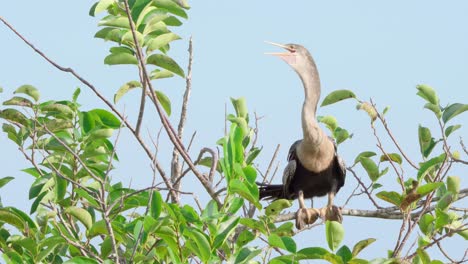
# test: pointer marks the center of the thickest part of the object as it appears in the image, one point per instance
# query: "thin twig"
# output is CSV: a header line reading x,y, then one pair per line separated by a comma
x,y
384,123
176,166
364,188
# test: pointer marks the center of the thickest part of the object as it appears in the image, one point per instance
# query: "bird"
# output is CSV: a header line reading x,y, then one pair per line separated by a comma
x,y
314,167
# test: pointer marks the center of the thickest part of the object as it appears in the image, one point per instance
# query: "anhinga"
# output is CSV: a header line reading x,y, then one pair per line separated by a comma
x,y
314,167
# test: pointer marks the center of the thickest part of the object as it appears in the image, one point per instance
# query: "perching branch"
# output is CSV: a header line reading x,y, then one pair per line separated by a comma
x,y
385,213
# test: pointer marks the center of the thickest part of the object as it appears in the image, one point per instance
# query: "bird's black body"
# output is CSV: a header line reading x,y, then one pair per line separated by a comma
x,y
297,178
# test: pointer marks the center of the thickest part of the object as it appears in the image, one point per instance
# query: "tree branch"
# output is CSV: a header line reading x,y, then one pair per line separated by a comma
x,y
385,213
176,165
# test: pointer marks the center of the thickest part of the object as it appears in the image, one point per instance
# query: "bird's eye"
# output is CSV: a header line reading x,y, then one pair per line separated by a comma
x,y
292,49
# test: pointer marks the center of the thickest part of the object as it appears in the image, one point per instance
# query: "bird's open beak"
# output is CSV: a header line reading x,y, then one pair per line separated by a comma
x,y
289,56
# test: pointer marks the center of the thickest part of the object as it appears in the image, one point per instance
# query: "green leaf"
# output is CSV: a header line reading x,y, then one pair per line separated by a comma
x,y
359,261
463,233
285,242
57,109
225,229
395,157
115,21
76,93
371,168
60,188
29,90
98,228
160,74
239,187
202,243
85,195
426,141
434,108
340,135
101,133
165,62
453,110
426,223
120,58
19,101
429,187
453,184
102,5
161,41
252,155
365,154
36,202
14,116
345,253
235,204
427,166
334,232
318,253
47,246
369,109
6,216
246,254
172,7
81,214
5,180
362,245
329,121
106,118
337,96
125,89
423,256
244,238
428,94
391,197
164,101
275,208
156,204
81,260
445,201
137,8
449,130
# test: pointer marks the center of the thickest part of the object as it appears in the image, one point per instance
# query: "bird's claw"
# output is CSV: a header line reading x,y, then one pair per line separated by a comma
x,y
331,213
308,216
305,216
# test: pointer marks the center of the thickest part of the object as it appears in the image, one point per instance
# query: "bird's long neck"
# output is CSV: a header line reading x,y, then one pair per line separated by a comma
x,y
313,135
315,152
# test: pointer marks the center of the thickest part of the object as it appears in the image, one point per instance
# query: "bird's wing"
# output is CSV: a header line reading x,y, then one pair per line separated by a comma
x,y
292,150
340,166
288,175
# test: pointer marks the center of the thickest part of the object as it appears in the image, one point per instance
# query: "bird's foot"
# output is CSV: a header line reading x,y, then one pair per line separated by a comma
x,y
306,216
331,213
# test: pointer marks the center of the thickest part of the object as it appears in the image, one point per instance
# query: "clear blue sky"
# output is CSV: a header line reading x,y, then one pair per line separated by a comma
x,y
380,50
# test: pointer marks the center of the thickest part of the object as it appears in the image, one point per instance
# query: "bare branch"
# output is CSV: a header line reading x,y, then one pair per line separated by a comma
x,y
364,188
176,166
384,123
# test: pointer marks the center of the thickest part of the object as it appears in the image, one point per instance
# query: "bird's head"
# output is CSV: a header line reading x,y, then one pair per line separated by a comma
x,y
295,55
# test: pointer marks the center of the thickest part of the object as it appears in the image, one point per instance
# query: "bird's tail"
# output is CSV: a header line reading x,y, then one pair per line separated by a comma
x,y
270,191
